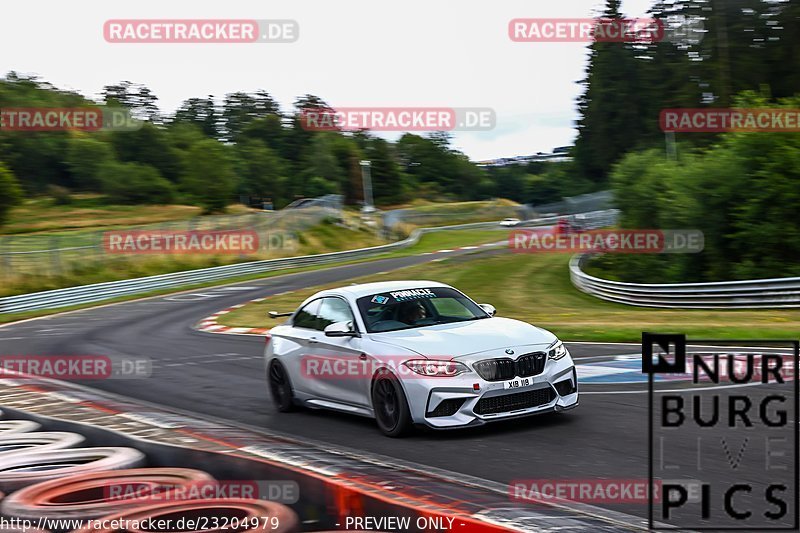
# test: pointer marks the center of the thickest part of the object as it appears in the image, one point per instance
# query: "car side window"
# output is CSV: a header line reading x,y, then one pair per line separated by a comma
x,y
333,310
307,316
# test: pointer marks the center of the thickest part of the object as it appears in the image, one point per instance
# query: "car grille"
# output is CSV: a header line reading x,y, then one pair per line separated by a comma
x,y
513,402
527,365
447,407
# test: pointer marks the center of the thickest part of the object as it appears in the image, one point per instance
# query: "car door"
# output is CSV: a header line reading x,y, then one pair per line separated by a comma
x,y
343,374
300,341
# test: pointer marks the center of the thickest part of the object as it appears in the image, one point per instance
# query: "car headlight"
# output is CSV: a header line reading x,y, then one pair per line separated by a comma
x,y
557,351
433,368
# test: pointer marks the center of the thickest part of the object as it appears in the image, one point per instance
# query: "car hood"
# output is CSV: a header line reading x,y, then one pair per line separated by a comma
x,y
465,338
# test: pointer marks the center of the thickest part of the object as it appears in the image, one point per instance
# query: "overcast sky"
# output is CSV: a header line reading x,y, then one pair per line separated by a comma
x,y
352,53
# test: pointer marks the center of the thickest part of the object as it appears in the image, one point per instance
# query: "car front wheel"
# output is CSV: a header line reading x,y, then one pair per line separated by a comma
x,y
390,406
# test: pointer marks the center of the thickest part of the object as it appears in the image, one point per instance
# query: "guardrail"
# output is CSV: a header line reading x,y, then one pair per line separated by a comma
x,y
99,292
748,294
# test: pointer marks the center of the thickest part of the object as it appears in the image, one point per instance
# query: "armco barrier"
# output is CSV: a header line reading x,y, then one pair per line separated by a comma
x,y
99,292
748,294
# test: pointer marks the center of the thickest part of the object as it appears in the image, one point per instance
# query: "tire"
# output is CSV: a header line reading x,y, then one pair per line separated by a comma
x,y
280,387
92,495
257,513
15,443
7,427
390,405
23,469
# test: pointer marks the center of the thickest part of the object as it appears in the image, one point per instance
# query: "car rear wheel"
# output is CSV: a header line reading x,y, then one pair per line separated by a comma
x,y
280,387
390,406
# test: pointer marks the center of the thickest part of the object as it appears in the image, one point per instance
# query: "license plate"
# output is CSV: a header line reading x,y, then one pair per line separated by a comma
x,y
517,383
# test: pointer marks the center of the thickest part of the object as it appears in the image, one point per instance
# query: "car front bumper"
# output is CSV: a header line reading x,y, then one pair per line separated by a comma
x,y
469,400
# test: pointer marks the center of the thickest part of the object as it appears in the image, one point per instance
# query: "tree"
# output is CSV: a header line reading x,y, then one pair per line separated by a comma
x,y
741,193
148,145
390,185
10,192
201,112
36,158
135,183
440,170
268,130
349,157
139,99
610,106
262,172
209,178
85,156
240,109
321,162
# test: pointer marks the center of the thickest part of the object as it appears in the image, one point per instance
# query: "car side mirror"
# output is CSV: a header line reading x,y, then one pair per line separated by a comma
x,y
489,308
341,329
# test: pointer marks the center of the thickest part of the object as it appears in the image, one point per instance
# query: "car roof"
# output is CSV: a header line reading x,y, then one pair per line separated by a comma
x,y
366,289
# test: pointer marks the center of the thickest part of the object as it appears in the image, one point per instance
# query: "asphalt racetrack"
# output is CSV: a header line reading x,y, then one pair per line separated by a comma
x,y
223,375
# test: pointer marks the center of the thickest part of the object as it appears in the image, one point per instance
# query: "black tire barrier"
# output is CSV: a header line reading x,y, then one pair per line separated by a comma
x,y
37,441
7,427
23,469
96,494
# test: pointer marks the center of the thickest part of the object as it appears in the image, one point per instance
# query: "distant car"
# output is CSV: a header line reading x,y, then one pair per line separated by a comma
x,y
508,222
415,352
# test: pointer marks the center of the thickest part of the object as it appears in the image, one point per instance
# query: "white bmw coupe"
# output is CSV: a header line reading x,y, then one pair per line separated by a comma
x,y
415,352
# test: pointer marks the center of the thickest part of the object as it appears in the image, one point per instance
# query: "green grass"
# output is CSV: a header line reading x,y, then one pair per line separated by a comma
x,y
422,213
458,207
536,288
442,240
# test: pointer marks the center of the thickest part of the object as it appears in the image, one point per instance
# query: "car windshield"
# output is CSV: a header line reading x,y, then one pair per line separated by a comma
x,y
414,308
